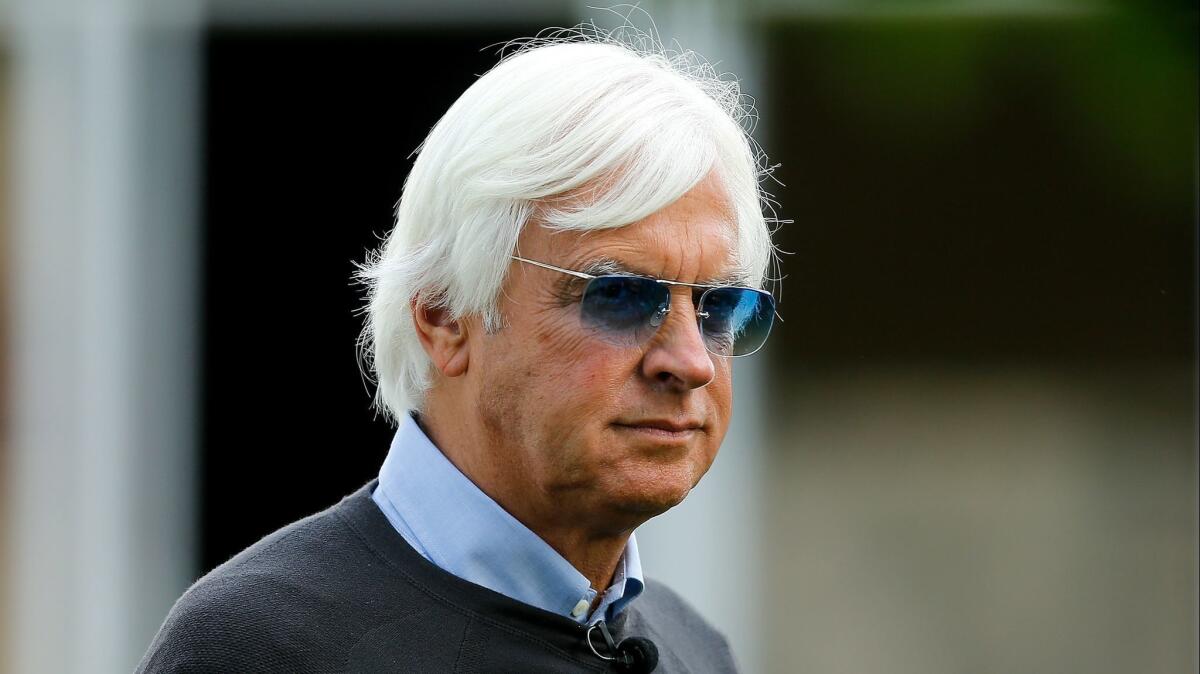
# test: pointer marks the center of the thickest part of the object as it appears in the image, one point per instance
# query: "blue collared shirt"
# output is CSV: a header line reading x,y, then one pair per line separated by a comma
x,y
452,523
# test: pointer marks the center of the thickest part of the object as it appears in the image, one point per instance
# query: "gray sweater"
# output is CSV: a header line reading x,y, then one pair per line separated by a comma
x,y
341,591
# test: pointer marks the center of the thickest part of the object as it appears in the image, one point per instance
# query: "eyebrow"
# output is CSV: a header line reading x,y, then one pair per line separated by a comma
x,y
606,265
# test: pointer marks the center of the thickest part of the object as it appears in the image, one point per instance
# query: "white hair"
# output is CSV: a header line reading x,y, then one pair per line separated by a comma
x,y
578,130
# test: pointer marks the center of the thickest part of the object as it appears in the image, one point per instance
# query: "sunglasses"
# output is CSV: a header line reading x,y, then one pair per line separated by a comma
x,y
627,310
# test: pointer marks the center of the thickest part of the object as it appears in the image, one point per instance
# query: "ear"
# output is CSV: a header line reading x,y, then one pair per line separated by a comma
x,y
444,339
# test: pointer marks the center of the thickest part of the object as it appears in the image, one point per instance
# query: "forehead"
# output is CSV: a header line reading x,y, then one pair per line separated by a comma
x,y
691,240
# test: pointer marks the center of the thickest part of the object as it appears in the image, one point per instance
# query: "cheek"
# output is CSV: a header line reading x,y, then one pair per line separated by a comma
x,y
585,381
579,362
557,335
552,380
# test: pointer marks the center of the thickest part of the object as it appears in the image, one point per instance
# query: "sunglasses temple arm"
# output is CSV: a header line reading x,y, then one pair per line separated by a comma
x,y
543,265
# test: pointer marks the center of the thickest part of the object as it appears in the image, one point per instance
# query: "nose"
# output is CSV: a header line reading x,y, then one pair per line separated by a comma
x,y
676,357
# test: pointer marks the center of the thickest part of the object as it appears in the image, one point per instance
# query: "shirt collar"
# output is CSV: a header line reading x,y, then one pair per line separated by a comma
x,y
452,523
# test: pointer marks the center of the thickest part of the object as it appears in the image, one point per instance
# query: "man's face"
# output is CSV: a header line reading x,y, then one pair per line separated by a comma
x,y
570,417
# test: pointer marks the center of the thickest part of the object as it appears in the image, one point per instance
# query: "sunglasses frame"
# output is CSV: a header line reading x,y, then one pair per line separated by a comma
x,y
700,315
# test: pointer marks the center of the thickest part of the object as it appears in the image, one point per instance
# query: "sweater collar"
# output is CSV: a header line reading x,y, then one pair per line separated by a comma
x,y
457,527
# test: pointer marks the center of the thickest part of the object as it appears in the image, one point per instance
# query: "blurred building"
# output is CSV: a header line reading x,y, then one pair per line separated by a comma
x,y
971,446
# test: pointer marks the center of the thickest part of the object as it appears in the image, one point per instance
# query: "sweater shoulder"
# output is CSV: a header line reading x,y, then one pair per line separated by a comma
x,y
686,640
662,606
278,606
221,624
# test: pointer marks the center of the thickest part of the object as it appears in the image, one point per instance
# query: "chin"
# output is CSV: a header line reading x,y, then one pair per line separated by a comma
x,y
652,496
652,478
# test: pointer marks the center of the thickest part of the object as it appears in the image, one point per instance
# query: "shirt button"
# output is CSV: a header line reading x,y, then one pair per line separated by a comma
x,y
580,608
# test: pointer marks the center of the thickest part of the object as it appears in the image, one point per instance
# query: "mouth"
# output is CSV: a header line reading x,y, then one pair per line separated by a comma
x,y
661,429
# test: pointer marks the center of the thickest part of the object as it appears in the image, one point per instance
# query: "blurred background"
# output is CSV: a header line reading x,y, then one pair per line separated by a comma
x,y
971,447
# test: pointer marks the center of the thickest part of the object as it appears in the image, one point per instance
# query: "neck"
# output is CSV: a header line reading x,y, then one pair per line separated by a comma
x,y
595,558
594,550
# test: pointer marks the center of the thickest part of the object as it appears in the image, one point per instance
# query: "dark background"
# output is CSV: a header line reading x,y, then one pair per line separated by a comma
x,y
308,135
974,190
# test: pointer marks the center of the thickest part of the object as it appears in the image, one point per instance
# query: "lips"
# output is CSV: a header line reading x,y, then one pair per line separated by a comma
x,y
667,425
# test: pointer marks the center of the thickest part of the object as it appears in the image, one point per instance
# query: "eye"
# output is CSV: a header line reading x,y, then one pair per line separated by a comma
x,y
618,303
729,312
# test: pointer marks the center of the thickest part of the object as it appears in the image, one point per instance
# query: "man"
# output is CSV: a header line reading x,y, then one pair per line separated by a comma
x,y
575,264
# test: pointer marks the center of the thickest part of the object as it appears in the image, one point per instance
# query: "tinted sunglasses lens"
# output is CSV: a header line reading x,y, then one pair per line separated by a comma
x,y
738,320
623,309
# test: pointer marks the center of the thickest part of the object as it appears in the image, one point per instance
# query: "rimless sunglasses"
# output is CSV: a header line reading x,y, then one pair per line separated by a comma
x,y
627,310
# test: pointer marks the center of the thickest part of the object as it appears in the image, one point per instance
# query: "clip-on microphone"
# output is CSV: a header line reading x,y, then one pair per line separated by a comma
x,y
636,655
